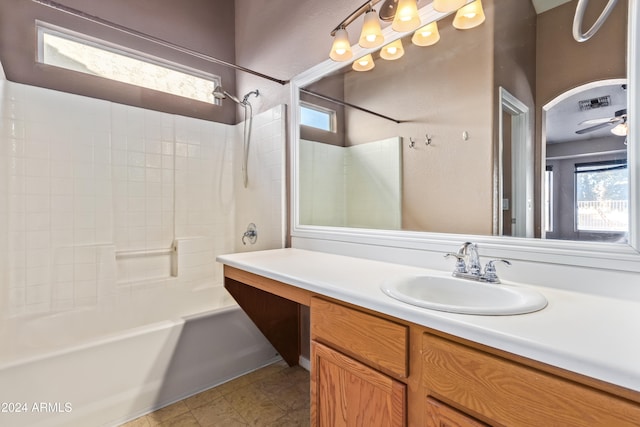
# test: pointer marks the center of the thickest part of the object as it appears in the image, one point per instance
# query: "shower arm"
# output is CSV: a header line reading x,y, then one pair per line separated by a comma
x,y
579,18
255,93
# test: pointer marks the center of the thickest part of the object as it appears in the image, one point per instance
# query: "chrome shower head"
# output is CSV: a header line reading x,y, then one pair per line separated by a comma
x,y
220,93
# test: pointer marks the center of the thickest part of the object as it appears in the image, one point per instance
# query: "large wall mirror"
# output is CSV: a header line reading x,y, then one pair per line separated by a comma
x,y
511,133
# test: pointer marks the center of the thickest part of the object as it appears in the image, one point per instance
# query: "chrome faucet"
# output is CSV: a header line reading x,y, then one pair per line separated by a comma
x,y
468,265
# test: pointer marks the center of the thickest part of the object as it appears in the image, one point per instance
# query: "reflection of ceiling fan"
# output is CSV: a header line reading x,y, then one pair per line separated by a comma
x,y
619,119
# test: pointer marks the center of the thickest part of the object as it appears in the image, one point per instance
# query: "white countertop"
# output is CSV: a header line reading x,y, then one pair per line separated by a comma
x,y
589,334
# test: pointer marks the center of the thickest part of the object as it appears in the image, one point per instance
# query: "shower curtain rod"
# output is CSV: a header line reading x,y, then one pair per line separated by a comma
x,y
114,26
347,104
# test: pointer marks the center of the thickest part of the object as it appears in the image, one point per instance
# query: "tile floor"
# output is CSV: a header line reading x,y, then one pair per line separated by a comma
x,y
275,395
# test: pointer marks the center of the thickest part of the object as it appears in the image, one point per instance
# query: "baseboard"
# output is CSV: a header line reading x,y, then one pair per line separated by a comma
x,y
305,363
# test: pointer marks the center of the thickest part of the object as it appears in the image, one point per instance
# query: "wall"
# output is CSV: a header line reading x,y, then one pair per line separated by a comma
x,y
101,201
203,26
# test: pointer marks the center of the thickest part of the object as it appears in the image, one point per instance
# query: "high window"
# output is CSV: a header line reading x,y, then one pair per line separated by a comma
x,y
77,52
317,117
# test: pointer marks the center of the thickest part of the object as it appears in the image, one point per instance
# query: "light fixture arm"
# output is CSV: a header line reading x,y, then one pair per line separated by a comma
x,y
366,6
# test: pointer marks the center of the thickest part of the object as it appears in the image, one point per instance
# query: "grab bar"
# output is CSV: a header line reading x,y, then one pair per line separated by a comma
x,y
144,252
579,17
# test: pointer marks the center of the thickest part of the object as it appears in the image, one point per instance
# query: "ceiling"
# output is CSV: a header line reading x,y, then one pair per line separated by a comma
x,y
544,5
563,120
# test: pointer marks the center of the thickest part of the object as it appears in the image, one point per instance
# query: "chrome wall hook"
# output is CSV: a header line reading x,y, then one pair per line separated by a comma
x,y
428,139
412,143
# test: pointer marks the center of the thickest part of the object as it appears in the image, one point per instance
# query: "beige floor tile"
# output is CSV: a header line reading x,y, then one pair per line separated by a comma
x,y
299,418
218,413
290,398
138,422
203,398
185,420
167,413
273,396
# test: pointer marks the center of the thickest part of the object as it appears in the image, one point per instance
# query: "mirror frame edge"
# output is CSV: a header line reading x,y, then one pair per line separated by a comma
x,y
608,256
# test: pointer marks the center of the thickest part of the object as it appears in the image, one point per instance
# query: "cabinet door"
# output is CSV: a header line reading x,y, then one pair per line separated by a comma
x,y
441,415
345,392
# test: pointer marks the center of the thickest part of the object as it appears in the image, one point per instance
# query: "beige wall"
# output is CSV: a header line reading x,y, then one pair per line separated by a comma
x,y
446,90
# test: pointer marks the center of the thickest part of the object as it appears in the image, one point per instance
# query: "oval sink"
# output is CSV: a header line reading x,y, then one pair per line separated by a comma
x,y
464,296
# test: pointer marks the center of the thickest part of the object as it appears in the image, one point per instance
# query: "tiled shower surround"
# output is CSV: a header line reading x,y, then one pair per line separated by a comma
x,y
99,201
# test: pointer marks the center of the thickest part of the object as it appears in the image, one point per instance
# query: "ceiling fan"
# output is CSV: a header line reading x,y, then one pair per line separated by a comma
x,y
619,118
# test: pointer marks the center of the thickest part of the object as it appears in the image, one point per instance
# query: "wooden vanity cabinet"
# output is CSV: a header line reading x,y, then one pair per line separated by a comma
x,y
505,392
438,414
355,357
372,370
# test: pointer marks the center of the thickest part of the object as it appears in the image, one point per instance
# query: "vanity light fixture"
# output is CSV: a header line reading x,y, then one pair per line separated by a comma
x,y
393,50
371,35
341,49
364,64
427,35
406,18
446,6
469,16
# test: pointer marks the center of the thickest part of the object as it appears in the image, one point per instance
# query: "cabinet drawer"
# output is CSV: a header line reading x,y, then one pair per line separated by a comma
x,y
508,393
380,343
440,415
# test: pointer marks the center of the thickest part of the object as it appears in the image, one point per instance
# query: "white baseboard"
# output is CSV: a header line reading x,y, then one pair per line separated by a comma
x,y
305,363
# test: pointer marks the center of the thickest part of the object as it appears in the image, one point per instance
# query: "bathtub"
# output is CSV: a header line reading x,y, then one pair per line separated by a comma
x,y
105,365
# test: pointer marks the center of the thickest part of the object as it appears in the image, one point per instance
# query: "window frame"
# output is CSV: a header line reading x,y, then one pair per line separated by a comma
x,y
332,114
81,38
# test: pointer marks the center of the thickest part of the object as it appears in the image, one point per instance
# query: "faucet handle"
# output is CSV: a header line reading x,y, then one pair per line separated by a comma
x,y
461,267
489,275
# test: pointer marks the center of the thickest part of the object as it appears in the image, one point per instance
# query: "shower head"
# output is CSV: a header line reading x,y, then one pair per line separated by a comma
x,y
220,93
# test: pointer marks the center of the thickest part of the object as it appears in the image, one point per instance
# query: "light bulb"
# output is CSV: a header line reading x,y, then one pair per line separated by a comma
x,y
407,18
445,6
427,35
341,49
469,16
393,50
364,64
371,35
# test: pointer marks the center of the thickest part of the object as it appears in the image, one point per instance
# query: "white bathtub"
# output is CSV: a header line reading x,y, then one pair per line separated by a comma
x,y
110,364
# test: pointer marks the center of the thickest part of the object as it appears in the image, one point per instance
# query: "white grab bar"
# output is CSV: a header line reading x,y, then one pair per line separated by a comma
x,y
579,17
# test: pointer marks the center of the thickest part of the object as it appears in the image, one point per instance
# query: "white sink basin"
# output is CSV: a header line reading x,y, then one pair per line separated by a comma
x,y
464,296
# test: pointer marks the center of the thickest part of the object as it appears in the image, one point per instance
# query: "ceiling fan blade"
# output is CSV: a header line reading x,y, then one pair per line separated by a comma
x,y
594,121
594,128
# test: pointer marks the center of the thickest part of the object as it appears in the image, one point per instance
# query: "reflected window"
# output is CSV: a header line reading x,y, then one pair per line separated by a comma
x,y
602,196
317,117
78,52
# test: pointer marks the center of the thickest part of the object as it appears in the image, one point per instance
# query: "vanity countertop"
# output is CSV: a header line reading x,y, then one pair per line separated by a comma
x,y
589,334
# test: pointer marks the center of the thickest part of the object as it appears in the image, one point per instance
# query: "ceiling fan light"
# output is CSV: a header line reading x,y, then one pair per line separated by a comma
x,y
371,35
427,35
622,129
341,48
407,18
469,16
446,6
